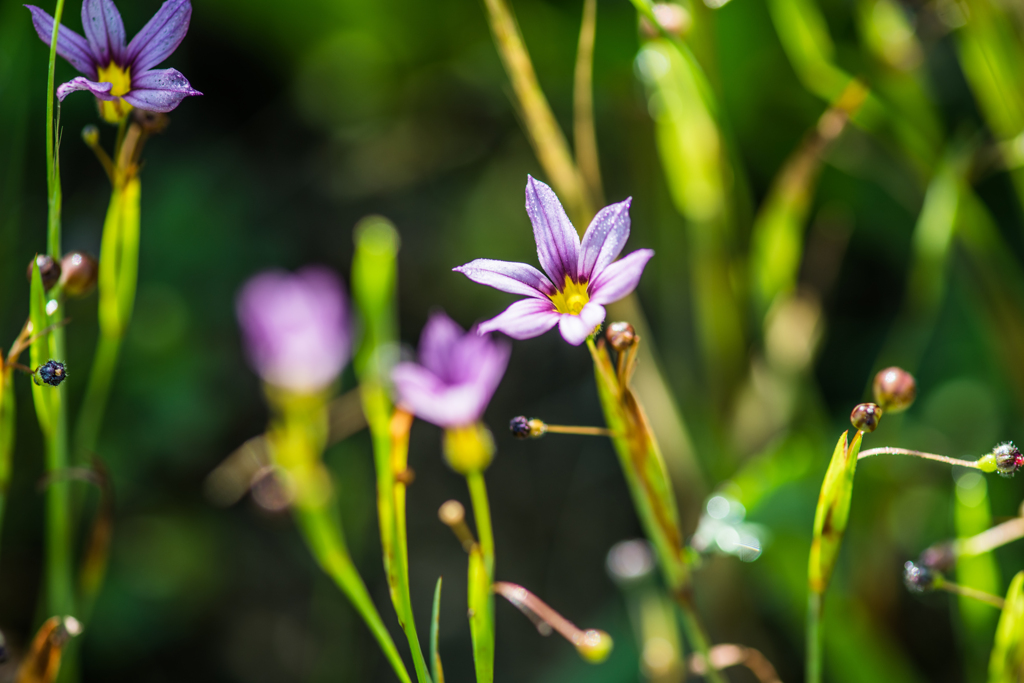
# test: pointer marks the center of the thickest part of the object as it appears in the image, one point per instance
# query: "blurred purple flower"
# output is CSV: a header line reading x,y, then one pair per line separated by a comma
x,y
120,76
295,327
458,375
580,277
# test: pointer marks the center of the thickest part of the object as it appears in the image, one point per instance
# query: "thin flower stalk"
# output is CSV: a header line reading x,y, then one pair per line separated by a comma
x,y
979,464
989,540
584,133
374,282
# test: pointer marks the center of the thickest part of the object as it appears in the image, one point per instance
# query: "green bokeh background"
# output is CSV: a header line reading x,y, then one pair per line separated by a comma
x,y
319,112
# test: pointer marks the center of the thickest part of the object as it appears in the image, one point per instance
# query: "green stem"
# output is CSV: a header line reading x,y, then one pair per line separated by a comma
x,y
52,163
814,637
696,635
90,418
324,536
482,515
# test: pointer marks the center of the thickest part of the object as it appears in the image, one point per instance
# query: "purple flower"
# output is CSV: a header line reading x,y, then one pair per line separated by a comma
x,y
458,375
122,77
296,327
580,277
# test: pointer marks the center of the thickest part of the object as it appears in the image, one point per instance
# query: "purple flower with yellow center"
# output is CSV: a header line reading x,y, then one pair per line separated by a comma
x,y
581,277
295,328
456,377
122,77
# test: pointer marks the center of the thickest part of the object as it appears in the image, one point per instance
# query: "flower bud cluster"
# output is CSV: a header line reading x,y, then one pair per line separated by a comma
x,y
895,389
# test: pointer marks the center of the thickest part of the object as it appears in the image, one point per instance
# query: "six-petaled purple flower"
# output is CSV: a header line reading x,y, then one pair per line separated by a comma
x,y
120,76
296,327
580,277
458,375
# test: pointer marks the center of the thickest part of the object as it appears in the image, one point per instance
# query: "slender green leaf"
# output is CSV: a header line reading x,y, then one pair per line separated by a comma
x,y
1007,662
833,512
436,670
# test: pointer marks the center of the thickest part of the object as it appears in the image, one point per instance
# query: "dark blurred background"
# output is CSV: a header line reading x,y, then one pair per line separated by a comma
x,y
316,113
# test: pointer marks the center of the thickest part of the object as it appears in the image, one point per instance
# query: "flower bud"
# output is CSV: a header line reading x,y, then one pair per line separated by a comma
x,y
1008,459
866,416
91,135
468,449
522,428
919,579
594,645
52,372
49,270
620,335
940,557
79,273
895,389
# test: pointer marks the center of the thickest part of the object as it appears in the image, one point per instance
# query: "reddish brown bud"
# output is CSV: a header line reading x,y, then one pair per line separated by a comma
x,y
49,270
620,335
895,389
79,272
866,416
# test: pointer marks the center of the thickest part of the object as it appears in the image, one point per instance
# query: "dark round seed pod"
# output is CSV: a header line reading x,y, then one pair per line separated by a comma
x,y
49,270
1008,459
520,427
52,372
940,557
620,335
79,273
866,417
895,389
918,579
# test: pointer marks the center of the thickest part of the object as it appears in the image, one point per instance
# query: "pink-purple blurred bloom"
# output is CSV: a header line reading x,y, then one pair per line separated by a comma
x,y
119,74
456,377
581,277
295,327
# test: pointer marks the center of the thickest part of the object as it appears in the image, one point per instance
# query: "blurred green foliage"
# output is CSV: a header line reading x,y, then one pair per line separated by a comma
x,y
321,112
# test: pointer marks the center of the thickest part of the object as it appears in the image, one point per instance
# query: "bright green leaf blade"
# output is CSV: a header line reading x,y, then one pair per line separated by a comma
x,y
1007,662
436,670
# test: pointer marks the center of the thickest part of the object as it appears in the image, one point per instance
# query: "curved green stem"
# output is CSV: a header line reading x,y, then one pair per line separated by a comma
x,y
814,637
482,515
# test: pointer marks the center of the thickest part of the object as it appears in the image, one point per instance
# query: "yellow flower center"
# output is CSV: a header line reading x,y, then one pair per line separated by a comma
x,y
121,81
572,298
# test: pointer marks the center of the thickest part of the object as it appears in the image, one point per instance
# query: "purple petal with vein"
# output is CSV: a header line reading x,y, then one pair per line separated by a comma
x,y
558,245
576,328
160,36
100,90
70,46
604,239
524,319
620,278
160,90
103,27
506,276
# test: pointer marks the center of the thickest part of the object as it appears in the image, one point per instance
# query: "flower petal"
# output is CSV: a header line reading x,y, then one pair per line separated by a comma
x,y
506,276
558,245
438,339
604,239
524,319
160,90
576,328
70,46
620,278
103,27
100,90
430,399
160,36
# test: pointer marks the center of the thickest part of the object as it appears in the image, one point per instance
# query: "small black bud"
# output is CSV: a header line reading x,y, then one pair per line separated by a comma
x,y
49,270
895,389
52,372
1008,459
918,579
79,273
866,416
520,427
620,335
